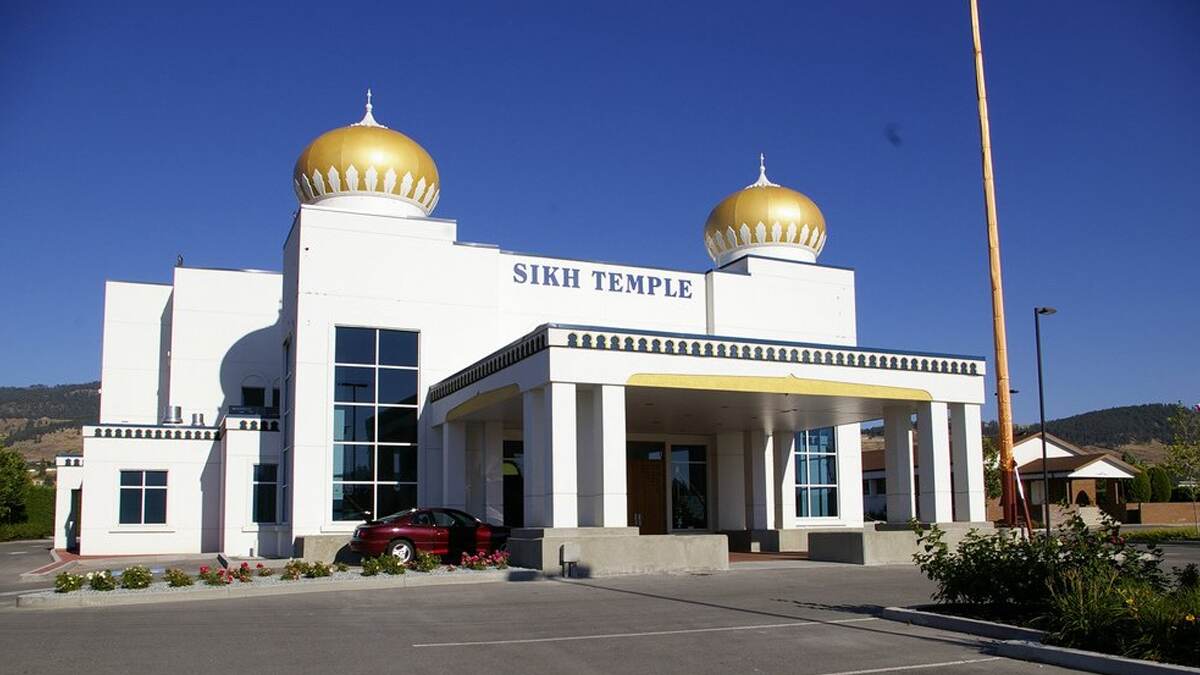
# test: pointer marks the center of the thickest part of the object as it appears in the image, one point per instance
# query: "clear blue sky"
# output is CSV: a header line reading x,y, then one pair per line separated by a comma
x,y
131,132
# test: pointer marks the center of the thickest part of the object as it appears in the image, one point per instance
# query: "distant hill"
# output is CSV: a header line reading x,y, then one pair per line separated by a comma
x,y
41,421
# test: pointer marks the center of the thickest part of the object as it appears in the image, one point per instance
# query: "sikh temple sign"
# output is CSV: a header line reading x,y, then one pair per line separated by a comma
x,y
600,280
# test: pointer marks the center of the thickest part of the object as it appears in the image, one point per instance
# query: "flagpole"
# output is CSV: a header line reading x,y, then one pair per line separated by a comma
x,y
1003,389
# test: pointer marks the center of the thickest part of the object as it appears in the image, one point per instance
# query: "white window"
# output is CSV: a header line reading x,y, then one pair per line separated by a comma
x,y
143,499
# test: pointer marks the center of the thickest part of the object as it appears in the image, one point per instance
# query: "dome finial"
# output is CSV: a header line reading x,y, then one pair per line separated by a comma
x,y
368,119
762,174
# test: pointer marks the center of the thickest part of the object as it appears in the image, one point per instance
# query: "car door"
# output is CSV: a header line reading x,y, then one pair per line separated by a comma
x,y
442,532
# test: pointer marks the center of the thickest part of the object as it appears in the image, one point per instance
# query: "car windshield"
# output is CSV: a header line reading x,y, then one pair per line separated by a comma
x,y
395,516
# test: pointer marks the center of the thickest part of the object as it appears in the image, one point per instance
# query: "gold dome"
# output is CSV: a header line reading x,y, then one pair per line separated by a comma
x,y
765,215
367,159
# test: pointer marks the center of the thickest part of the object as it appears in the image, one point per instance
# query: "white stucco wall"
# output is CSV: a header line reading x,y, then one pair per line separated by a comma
x,y
240,535
136,335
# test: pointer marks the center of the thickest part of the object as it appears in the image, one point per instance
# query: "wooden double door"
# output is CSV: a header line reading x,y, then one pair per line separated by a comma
x,y
646,486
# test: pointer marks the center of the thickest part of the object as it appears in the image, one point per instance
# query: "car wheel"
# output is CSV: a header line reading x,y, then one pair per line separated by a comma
x,y
401,549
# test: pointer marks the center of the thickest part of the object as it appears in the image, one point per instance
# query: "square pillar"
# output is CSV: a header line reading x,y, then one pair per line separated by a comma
x,y
967,464
849,467
533,434
603,499
731,481
493,471
785,478
933,445
562,487
454,460
898,464
760,449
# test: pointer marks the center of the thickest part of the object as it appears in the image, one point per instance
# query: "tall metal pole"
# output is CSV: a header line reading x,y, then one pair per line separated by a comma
x,y
1037,330
1003,393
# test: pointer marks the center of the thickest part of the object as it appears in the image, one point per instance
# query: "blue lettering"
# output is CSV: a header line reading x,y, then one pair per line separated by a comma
x,y
685,288
549,276
533,274
571,277
614,283
599,277
667,289
519,274
634,281
655,282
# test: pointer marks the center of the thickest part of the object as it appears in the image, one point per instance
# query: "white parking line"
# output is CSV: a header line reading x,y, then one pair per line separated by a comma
x,y
918,666
606,636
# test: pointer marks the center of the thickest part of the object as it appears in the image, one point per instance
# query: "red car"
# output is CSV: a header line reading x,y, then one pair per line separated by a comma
x,y
439,531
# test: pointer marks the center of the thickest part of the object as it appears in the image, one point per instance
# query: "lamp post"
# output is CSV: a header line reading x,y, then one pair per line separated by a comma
x,y
1038,312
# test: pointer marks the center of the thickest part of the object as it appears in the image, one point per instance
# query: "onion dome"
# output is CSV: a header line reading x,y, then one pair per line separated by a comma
x,y
765,219
368,166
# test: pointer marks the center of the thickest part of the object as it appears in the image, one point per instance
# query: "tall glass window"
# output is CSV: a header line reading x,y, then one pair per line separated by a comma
x,y
689,487
143,498
285,468
266,485
816,473
374,422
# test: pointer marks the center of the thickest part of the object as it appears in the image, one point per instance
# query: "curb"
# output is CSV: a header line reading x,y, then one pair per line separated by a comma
x,y
988,629
409,580
1081,660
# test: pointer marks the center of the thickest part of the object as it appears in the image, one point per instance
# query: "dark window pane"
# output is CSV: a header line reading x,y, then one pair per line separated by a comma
x,y
355,345
254,396
157,478
689,496
351,502
397,463
397,348
398,425
421,518
353,423
442,519
131,505
352,462
275,397
397,386
156,506
265,473
824,502
264,503
396,498
802,502
131,478
822,470
687,453
821,440
648,450
801,469
354,385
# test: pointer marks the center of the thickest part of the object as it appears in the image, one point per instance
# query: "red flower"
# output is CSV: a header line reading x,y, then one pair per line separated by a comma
x,y
204,569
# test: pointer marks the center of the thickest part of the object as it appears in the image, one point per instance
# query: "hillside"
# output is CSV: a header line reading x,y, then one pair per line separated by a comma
x,y
43,421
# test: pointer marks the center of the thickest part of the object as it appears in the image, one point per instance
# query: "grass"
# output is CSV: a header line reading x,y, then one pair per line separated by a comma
x,y
39,517
1161,534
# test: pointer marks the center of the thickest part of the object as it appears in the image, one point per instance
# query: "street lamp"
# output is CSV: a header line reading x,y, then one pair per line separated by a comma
x,y
1038,312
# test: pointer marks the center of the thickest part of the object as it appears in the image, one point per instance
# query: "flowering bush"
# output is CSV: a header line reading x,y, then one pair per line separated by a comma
x,y
176,577
318,569
482,561
263,571
66,582
424,561
138,576
341,567
386,564
242,573
102,581
293,570
217,577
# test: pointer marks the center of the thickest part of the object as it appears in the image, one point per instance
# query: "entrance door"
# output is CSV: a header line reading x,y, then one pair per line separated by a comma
x,y
646,476
74,524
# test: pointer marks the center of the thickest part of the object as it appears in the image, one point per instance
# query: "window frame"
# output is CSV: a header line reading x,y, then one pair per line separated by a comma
x,y
255,484
805,487
141,489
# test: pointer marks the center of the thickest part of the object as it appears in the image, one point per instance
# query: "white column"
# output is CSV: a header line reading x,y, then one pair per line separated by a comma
x,y
731,481
898,465
849,466
588,459
562,494
967,447
533,436
608,412
454,476
761,451
933,444
493,471
785,478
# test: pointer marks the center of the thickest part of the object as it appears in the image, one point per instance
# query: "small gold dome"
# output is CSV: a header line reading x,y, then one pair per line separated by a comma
x,y
765,215
367,159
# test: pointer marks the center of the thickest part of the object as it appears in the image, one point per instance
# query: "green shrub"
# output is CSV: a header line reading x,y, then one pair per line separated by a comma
x,y
424,561
137,576
102,581
318,569
263,570
341,566
293,570
371,566
1160,534
176,578
1160,484
66,582
14,483
35,519
1139,488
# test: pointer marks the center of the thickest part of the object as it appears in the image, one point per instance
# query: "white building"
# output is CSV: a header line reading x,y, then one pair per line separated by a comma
x,y
391,365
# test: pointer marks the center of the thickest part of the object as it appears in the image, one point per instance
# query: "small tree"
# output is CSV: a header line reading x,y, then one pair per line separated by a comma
x,y
1139,490
14,484
991,468
1183,455
1160,484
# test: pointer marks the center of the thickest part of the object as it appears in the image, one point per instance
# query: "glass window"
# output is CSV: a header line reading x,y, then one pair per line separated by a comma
x,y
353,385
254,397
689,487
265,493
816,473
397,348
375,393
421,518
355,345
397,386
143,498
442,519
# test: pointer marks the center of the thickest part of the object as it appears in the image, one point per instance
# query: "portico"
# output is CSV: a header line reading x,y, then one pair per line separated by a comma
x,y
686,434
